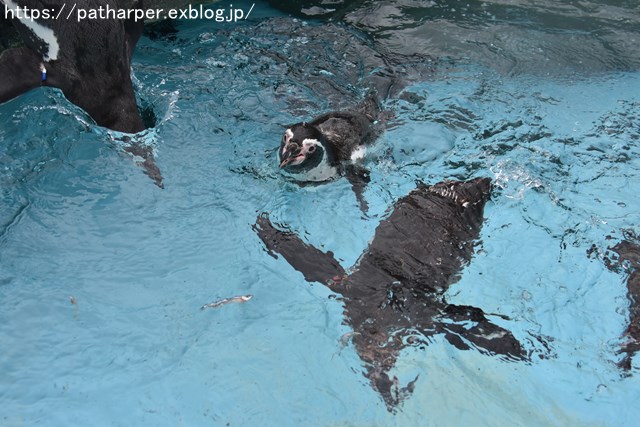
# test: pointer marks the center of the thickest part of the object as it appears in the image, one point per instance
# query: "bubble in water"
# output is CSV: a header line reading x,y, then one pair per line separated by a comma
x,y
513,179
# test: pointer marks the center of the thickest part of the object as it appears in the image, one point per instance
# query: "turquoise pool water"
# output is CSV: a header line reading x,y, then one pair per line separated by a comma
x,y
102,274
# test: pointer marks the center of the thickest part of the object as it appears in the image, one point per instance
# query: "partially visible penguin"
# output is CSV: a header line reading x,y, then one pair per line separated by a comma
x,y
89,60
625,257
332,145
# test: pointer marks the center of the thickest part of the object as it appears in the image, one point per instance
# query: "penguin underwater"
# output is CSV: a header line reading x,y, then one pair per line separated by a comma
x,y
332,145
625,256
394,296
89,60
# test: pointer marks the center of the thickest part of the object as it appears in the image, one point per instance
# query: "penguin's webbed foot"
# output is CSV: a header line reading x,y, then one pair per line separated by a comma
x,y
483,335
146,160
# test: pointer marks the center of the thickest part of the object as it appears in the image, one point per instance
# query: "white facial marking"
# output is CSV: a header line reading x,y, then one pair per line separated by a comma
x,y
288,134
308,143
287,138
43,33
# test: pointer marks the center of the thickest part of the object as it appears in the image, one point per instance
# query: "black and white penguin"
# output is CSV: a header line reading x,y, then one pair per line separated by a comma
x,y
332,145
89,60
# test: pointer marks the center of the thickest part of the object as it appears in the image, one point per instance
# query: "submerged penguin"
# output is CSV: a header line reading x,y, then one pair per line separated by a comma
x,y
395,294
625,256
332,145
89,60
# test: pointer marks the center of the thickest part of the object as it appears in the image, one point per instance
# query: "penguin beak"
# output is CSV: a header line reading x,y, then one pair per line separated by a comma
x,y
291,152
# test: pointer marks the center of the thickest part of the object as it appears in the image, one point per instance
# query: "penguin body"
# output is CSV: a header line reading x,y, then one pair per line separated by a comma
x,y
88,60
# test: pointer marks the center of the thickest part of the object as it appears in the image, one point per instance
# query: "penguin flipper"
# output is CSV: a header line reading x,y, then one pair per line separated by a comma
x,y
315,265
485,336
20,71
359,177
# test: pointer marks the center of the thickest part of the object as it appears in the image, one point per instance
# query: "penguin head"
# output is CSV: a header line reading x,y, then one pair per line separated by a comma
x,y
302,148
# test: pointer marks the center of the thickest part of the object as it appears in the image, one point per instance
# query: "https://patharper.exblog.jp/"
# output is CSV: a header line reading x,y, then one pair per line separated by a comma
x,y
72,11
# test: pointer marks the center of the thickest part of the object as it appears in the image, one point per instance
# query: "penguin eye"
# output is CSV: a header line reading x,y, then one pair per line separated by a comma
x,y
311,149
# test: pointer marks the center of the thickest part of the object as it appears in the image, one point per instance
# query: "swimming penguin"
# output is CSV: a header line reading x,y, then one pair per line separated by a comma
x,y
332,145
395,295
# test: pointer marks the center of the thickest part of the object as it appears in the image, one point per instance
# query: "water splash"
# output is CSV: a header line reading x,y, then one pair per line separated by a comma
x,y
514,179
